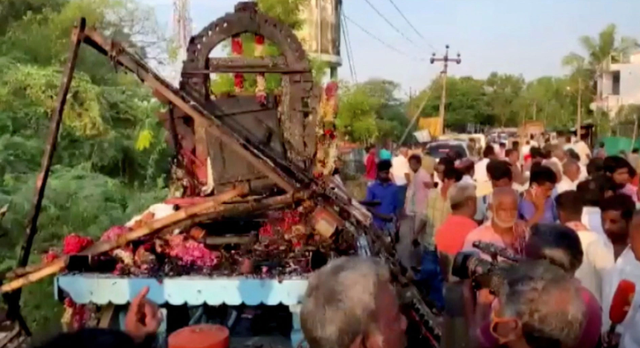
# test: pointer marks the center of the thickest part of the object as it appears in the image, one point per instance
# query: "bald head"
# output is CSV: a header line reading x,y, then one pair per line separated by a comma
x,y
571,169
558,152
404,151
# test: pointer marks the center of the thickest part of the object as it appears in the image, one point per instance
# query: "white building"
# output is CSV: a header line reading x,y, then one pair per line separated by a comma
x,y
619,86
321,32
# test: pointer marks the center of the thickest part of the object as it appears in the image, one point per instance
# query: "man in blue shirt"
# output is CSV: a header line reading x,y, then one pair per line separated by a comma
x,y
537,205
384,191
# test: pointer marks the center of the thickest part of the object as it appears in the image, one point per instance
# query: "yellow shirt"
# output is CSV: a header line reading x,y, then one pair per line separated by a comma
x,y
438,208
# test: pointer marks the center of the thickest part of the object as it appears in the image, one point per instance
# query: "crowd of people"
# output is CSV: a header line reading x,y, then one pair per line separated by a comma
x,y
569,209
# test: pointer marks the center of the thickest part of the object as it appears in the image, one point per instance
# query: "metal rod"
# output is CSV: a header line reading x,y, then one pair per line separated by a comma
x,y
45,166
415,117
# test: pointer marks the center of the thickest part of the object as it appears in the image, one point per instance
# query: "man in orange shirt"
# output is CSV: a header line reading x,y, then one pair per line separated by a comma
x,y
450,236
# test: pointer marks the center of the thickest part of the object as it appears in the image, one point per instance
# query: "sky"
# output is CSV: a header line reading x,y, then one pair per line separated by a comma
x,y
527,37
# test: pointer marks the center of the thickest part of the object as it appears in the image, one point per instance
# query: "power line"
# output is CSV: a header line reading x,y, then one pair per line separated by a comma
x,y
378,39
389,22
410,24
347,44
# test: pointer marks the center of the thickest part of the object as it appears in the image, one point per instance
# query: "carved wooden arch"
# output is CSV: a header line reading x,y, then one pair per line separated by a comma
x,y
298,96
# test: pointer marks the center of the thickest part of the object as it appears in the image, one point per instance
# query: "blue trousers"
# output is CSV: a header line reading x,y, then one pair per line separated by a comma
x,y
431,279
402,196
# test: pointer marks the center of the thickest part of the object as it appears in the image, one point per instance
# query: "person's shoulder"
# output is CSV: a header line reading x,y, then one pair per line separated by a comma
x,y
479,231
592,305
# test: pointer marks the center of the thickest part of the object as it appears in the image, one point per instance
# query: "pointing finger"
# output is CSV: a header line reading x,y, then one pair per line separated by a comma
x,y
135,303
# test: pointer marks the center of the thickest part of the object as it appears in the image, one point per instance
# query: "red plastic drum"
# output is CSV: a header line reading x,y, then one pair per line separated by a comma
x,y
200,336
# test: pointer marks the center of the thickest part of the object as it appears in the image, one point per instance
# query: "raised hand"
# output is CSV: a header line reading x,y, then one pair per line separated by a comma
x,y
143,318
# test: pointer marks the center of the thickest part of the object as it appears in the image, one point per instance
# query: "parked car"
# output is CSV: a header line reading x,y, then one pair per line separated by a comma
x,y
441,148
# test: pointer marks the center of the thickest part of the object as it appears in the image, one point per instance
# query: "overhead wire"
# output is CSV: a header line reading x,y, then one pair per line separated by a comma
x,y
410,24
389,22
349,49
378,39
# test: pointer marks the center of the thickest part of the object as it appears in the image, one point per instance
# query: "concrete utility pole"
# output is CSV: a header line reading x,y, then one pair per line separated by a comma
x,y
443,75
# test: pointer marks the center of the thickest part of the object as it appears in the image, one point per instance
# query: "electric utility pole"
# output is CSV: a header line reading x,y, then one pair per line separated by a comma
x,y
443,76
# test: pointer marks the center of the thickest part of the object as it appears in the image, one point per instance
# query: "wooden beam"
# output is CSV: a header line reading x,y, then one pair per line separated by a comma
x,y
276,65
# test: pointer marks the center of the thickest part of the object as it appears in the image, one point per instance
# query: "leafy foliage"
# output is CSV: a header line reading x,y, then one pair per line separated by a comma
x,y
111,159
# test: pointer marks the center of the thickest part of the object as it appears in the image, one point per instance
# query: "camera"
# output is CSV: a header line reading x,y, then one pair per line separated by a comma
x,y
485,274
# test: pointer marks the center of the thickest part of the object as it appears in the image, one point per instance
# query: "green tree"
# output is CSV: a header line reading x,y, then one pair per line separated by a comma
x,y
602,51
356,119
100,154
391,118
466,103
503,91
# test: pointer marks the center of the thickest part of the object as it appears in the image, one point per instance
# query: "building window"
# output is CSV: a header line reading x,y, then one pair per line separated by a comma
x,y
615,83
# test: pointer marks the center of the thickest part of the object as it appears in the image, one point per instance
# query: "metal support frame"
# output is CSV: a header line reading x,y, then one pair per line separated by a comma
x,y
13,299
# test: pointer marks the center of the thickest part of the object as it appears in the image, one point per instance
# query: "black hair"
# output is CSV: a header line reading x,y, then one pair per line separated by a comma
x,y
619,202
635,150
467,168
601,144
541,175
452,173
548,149
383,165
447,162
593,190
91,338
416,158
536,153
488,151
498,170
595,166
573,155
614,163
545,240
567,138
570,202
508,152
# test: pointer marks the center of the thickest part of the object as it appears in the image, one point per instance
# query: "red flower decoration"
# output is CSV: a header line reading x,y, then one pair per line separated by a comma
x,y
238,81
74,244
49,257
236,45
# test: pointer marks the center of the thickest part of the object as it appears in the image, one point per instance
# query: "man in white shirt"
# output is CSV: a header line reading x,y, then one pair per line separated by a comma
x,y
483,183
415,212
630,269
598,259
400,172
570,176
593,191
626,267
583,150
